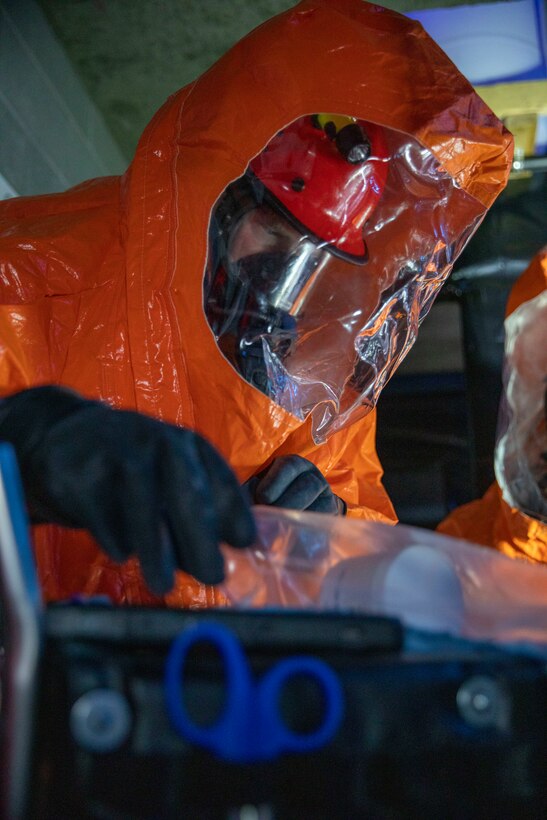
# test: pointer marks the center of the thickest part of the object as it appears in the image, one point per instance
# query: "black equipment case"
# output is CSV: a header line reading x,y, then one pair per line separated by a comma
x,y
430,727
459,733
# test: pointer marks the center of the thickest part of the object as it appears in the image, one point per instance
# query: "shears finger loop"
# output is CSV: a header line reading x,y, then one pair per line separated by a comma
x,y
250,727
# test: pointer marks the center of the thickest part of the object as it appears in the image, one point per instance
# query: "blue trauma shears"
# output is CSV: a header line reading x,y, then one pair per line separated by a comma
x,y
250,727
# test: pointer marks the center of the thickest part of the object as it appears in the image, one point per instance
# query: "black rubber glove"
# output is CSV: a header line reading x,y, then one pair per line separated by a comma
x,y
295,483
141,487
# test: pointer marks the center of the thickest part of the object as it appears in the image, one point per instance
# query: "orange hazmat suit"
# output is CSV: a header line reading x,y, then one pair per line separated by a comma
x,y
101,287
508,517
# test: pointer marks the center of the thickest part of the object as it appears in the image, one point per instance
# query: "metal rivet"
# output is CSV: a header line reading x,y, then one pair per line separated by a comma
x,y
482,703
100,720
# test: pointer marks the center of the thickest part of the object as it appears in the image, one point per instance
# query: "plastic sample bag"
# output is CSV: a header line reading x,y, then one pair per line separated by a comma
x,y
429,581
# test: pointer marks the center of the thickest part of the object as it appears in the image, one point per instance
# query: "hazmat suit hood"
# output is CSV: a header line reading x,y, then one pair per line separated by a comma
x,y
512,515
521,450
343,57
103,285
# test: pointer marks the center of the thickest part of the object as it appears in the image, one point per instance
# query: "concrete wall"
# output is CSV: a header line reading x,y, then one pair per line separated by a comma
x,y
51,134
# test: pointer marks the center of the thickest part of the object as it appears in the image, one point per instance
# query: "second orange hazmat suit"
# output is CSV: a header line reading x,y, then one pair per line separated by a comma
x,y
502,518
101,287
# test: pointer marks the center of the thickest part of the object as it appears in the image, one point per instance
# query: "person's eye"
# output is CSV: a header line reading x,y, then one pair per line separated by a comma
x,y
276,233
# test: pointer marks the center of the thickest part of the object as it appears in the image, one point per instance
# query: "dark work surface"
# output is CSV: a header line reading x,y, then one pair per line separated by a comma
x,y
409,744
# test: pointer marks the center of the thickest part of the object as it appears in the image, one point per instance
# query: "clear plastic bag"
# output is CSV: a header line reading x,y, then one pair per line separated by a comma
x,y
429,581
522,435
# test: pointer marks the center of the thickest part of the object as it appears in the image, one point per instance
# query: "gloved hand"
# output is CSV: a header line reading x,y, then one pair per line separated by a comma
x,y
295,483
141,487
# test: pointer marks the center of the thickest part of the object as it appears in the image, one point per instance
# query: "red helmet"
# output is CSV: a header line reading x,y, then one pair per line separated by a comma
x,y
326,173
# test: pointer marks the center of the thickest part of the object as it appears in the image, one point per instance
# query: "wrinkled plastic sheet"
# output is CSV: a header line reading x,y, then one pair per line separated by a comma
x,y
520,461
431,582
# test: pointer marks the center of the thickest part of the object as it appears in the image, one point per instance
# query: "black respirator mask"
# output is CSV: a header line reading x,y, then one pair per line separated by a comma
x,y
252,303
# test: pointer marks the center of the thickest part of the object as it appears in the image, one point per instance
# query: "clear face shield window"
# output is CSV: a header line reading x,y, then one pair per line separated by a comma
x,y
267,269
323,259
